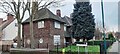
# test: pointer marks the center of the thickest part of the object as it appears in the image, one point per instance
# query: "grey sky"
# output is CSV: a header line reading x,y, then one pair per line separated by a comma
x,y
110,10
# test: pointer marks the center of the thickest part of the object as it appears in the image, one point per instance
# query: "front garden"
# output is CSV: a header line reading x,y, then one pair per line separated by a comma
x,y
94,47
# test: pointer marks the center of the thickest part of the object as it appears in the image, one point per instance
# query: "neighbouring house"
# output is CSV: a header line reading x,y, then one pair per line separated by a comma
x,y
8,31
117,35
48,30
68,29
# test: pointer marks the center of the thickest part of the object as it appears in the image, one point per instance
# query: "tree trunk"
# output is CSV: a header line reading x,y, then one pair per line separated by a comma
x,y
31,32
31,27
19,35
84,40
34,10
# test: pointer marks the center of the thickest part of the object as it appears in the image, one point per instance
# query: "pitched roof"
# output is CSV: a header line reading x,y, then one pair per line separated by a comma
x,y
45,13
67,20
6,23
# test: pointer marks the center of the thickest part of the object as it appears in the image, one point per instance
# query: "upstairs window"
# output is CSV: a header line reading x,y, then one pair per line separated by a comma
x,y
41,24
57,25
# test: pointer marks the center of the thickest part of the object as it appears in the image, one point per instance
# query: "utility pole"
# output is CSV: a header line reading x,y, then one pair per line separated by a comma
x,y
103,26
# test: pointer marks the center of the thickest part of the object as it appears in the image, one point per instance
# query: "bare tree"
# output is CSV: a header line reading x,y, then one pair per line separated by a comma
x,y
19,8
99,26
14,8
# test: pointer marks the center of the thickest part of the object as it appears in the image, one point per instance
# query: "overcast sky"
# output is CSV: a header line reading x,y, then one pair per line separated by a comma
x,y
110,10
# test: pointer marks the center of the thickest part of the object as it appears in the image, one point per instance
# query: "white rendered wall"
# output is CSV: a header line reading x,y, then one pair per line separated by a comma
x,y
10,32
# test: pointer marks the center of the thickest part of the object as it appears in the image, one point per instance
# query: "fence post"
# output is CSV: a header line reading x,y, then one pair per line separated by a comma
x,y
57,48
101,48
38,45
47,45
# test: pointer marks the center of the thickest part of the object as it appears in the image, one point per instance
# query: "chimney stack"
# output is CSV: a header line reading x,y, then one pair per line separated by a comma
x,y
58,13
10,16
1,21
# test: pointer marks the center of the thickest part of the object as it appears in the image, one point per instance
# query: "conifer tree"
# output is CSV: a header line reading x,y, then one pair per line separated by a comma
x,y
83,21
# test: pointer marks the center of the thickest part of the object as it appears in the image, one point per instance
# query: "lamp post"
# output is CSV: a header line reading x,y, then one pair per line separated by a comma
x,y
103,26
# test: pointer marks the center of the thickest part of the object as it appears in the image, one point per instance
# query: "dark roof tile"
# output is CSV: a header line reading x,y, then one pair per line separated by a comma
x,y
45,13
67,20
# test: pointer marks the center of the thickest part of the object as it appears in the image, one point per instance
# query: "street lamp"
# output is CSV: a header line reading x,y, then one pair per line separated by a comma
x,y
103,26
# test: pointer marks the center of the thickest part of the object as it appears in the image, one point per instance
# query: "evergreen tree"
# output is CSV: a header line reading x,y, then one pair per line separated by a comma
x,y
83,21
110,37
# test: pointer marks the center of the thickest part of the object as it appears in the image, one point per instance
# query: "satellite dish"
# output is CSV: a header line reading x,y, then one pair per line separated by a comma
x,y
41,40
28,41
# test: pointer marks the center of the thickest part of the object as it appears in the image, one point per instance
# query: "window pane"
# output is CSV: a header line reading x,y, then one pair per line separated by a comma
x,y
56,39
57,25
64,28
40,24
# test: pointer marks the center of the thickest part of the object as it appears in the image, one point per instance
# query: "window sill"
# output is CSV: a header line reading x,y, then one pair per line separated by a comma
x,y
58,28
41,28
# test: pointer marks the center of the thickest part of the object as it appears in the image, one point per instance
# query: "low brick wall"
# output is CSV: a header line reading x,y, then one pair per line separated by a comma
x,y
6,45
29,51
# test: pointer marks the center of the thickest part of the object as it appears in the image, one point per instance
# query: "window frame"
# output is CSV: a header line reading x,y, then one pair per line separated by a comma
x,y
65,28
56,38
41,24
57,25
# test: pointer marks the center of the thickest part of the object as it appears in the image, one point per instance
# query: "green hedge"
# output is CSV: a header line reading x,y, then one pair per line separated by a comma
x,y
97,42
90,48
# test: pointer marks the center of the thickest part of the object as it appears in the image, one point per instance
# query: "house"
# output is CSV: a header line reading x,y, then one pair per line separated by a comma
x,y
48,30
8,31
68,31
117,35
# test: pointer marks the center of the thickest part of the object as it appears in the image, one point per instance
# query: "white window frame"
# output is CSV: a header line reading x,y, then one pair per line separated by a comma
x,y
57,24
41,24
56,39
65,28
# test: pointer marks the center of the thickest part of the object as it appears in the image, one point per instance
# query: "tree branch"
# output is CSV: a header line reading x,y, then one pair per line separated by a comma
x,y
2,10
26,6
14,6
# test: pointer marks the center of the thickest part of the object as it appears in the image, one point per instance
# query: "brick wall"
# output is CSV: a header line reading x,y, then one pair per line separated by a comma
x,y
45,33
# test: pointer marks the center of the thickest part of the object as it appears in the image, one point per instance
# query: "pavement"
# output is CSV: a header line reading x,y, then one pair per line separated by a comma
x,y
114,48
5,53
119,47
0,52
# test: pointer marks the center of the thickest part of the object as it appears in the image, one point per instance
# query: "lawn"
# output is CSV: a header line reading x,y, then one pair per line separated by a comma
x,y
89,48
